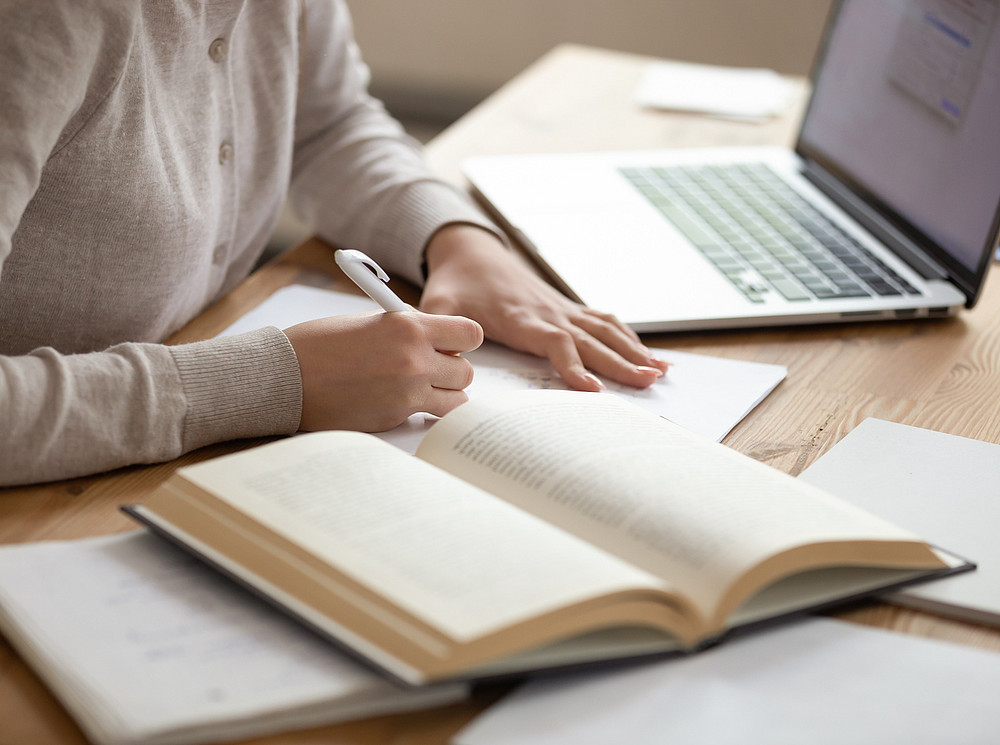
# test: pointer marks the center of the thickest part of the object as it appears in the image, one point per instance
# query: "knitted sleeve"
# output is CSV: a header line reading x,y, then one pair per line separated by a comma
x,y
359,179
66,415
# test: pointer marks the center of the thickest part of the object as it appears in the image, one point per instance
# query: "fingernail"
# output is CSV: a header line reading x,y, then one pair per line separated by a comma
x,y
644,369
595,380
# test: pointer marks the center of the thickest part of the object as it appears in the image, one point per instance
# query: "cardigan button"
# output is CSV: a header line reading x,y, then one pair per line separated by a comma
x,y
217,50
225,153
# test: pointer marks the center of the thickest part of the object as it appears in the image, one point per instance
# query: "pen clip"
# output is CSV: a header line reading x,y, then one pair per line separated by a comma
x,y
351,257
370,277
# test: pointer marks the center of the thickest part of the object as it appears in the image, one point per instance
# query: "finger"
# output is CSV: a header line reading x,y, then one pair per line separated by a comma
x,y
440,401
453,334
606,329
612,320
597,357
572,351
559,347
451,372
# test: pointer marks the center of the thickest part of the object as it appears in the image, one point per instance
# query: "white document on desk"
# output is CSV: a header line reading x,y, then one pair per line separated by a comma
x,y
820,682
750,94
143,643
940,486
708,395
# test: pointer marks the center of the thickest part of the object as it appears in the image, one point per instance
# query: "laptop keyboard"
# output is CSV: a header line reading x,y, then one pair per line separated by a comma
x,y
762,235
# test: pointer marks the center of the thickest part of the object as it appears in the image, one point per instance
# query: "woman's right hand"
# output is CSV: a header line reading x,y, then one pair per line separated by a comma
x,y
369,372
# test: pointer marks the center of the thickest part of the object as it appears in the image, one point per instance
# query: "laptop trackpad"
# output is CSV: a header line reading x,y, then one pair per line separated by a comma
x,y
640,269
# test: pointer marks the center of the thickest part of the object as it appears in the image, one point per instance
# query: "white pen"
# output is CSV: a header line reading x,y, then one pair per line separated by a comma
x,y
370,277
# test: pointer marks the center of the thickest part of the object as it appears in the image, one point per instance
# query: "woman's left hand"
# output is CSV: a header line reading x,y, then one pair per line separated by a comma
x,y
472,274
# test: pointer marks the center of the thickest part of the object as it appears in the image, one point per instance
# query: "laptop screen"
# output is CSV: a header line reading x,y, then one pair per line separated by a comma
x,y
906,109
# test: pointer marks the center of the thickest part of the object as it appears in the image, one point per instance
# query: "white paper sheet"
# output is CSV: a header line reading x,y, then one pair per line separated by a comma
x,y
708,395
821,682
753,94
944,488
145,644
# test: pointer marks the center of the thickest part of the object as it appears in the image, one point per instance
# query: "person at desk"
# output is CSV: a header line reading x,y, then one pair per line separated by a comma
x,y
146,151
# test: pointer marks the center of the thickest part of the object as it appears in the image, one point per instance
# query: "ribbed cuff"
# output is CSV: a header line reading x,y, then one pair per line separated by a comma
x,y
239,386
419,211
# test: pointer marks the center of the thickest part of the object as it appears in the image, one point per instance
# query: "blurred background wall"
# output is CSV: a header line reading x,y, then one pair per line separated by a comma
x,y
437,58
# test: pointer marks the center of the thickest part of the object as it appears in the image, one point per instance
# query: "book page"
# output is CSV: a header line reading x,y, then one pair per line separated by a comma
x,y
460,559
666,500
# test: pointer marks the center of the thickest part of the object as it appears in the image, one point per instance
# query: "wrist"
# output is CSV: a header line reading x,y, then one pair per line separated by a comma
x,y
460,239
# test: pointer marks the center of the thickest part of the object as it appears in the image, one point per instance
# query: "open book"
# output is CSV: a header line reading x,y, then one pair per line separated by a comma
x,y
533,529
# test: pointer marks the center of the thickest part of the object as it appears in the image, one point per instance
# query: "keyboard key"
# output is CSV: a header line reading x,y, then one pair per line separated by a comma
x,y
790,290
693,231
883,288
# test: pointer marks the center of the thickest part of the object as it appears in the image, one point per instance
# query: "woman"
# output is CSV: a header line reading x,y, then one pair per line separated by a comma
x,y
147,149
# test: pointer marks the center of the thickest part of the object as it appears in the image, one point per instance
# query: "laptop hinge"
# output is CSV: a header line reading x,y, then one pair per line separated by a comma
x,y
874,223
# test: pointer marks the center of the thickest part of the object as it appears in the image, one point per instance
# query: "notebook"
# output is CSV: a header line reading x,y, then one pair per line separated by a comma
x,y
936,484
144,645
888,206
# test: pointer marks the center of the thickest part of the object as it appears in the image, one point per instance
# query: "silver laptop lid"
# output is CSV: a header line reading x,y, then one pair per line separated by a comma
x,y
905,122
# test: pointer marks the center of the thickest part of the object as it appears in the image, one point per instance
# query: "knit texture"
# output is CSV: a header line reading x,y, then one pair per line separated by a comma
x,y
143,175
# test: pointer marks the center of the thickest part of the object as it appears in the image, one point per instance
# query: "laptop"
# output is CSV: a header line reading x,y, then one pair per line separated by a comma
x,y
887,208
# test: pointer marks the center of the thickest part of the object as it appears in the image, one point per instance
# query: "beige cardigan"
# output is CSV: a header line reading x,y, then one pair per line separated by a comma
x,y
146,149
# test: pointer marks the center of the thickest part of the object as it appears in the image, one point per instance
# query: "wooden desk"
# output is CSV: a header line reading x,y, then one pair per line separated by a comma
x,y
943,375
